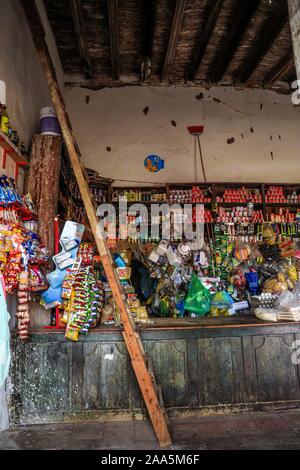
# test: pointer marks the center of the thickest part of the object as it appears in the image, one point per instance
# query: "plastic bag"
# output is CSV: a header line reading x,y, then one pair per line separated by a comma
x,y
4,336
198,299
252,282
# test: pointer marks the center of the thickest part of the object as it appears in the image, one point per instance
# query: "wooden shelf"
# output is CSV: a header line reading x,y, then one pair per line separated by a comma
x,y
11,149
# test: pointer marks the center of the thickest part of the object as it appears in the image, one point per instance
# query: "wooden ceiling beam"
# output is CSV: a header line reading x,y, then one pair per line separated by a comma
x,y
80,32
212,14
285,65
148,20
242,19
113,14
262,43
174,34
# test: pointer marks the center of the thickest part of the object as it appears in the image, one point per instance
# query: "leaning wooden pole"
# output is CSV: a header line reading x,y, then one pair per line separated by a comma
x,y
131,337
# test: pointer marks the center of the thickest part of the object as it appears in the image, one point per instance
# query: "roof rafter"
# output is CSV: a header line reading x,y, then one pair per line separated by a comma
x,y
79,27
175,30
148,19
112,6
262,43
212,14
245,12
284,66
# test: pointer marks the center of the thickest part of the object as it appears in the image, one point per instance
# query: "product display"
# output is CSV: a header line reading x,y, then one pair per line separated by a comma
x,y
22,258
6,128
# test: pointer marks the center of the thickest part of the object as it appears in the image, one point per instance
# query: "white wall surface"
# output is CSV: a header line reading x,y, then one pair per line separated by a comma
x,y
114,118
26,88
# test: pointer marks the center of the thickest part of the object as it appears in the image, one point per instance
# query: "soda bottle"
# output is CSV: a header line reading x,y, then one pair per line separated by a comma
x,y
4,121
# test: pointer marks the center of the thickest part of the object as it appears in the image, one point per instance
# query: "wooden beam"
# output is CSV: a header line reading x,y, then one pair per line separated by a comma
x,y
175,30
112,6
80,31
294,16
263,41
225,53
212,14
283,67
130,335
148,19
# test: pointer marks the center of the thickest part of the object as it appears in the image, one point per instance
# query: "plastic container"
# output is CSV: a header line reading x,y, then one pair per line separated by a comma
x,y
49,124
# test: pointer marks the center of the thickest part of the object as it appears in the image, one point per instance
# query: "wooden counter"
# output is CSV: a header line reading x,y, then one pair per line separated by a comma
x,y
224,364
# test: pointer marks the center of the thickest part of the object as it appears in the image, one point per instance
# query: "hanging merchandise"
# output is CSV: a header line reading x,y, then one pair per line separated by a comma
x,y
84,306
70,240
22,258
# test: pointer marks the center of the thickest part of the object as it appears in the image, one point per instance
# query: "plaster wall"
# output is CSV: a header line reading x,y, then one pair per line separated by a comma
x,y
118,128
26,89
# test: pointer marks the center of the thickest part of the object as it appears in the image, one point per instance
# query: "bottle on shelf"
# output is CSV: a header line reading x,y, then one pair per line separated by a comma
x,y
4,126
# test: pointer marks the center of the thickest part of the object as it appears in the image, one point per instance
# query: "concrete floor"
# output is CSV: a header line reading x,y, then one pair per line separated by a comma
x,y
272,430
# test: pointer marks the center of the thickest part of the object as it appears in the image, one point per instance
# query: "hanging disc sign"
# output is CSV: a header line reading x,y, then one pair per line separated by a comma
x,y
154,163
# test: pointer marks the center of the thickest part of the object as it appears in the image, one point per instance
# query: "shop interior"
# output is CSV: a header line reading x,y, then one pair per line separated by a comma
x,y
187,107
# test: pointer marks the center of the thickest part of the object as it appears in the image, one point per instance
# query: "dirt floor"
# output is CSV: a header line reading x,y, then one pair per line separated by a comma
x,y
272,430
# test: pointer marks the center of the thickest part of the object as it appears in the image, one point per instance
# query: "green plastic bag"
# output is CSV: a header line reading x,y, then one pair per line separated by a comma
x,y
198,298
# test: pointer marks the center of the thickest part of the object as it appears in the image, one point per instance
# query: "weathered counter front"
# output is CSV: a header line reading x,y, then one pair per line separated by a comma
x,y
200,369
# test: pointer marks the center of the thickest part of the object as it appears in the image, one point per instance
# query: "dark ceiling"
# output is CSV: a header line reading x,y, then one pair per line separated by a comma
x,y
244,43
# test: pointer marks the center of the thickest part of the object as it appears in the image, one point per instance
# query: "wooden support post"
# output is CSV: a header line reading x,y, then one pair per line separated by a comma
x,y
131,338
43,184
294,15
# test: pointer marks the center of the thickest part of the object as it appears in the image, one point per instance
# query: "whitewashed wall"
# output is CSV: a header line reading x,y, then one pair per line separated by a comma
x,y
26,88
260,122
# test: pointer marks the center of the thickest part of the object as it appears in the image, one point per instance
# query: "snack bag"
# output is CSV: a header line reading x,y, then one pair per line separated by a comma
x,y
198,299
221,304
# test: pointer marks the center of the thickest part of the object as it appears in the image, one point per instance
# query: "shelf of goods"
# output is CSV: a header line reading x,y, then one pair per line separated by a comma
x,y
10,149
248,256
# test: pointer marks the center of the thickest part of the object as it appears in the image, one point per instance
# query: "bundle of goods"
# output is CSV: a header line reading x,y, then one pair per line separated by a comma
x,y
201,215
84,301
183,196
286,308
198,196
99,195
74,285
188,196
240,195
138,195
275,195
283,215
239,215
13,205
293,198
